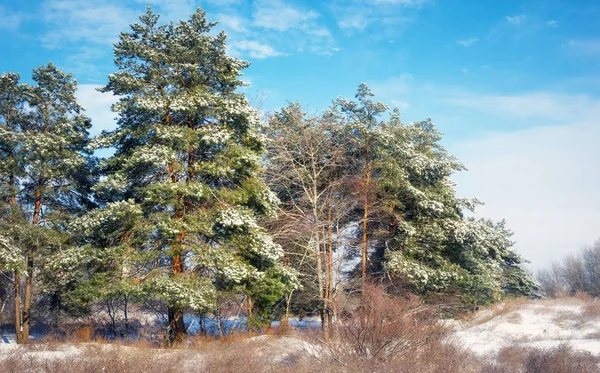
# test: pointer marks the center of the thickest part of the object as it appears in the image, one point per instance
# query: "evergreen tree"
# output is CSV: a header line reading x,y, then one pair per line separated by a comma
x,y
362,130
47,177
415,224
183,190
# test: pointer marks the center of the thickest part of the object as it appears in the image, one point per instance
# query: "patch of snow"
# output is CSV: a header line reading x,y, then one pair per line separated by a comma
x,y
537,324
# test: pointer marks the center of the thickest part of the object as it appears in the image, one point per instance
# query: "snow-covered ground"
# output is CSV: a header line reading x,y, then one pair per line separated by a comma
x,y
537,324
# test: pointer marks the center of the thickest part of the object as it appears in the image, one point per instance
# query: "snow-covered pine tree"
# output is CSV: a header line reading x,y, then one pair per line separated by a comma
x,y
416,228
187,172
430,243
47,177
12,101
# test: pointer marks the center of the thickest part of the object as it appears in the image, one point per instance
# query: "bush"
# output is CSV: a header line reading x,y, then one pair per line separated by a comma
x,y
382,329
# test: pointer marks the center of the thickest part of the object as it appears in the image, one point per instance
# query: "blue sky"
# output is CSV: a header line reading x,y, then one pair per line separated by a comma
x,y
515,85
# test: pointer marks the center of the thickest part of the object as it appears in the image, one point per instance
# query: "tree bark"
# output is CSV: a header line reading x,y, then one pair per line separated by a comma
x,y
330,272
18,314
319,269
24,324
177,331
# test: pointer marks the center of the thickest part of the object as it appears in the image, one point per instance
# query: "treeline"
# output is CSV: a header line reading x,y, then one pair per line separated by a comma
x,y
204,208
573,274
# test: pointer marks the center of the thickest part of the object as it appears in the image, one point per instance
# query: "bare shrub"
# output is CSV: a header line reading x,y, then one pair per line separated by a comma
x,y
83,334
383,328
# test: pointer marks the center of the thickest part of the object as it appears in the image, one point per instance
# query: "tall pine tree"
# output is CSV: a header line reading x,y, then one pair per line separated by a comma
x,y
48,173
186,173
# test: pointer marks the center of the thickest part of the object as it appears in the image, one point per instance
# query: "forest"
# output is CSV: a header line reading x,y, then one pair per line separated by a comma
x,y
209,211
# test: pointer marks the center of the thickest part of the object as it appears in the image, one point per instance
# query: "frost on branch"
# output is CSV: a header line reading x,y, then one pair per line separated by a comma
x,y
184,292
11,258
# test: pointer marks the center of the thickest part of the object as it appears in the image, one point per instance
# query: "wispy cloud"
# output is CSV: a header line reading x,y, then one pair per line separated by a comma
x,y
9,20
516,20
254,49
587,47
467,42
396,90
401,2
79,21
275,28
276,15
545,106
391,16
551,23
232,22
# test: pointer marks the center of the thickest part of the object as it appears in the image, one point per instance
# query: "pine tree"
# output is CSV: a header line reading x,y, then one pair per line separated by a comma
x,y
362,123
186,174
46,179
430,244
412,222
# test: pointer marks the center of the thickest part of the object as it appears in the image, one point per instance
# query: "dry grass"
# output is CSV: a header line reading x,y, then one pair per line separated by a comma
x,y
500,309
263,354
561,359
381,334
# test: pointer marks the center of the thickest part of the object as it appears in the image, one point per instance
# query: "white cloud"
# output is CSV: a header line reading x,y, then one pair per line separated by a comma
x,y
401,2
516,20
356,21
551,23
254,49
97,107
467,42
9,20
393,89
75,21
274,14
390,16
224,2
232,22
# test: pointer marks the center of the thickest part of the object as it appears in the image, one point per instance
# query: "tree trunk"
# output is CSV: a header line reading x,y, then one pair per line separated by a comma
x,y
18,314
285,320
319,269
330,272
126,315
177,331
27,300
249,315
25,316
